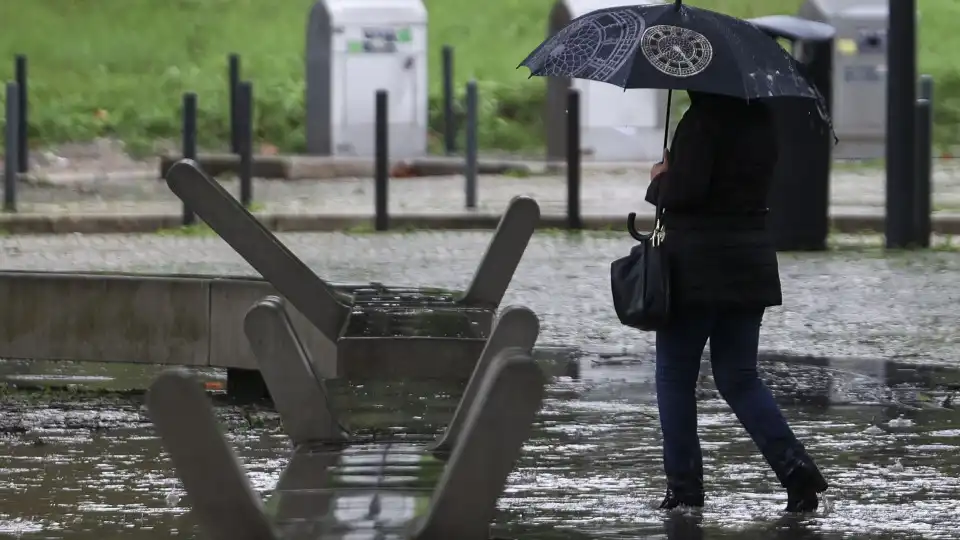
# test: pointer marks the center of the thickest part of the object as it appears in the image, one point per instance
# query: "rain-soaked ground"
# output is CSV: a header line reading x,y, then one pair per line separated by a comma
x,y
77,465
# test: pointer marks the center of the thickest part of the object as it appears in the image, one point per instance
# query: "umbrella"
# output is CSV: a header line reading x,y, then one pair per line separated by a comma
x,y
674,47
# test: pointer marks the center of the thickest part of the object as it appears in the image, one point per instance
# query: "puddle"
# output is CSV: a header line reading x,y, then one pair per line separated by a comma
x,y
84,465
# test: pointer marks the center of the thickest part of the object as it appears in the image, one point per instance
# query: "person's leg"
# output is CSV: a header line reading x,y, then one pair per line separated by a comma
x,y
679,348
733,353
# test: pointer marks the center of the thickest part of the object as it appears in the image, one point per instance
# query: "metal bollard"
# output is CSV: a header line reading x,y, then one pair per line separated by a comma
x,y
470,163
574,220
233,76
12,139
923,186
189,142
381,166
901,123
449,122
926,88
245,141
23,159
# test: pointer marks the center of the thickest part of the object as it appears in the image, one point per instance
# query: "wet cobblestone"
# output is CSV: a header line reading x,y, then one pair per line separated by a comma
x,y
843,303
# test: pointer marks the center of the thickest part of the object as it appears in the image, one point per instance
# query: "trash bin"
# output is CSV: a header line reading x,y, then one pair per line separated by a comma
x,y
800,195
353,49
860,72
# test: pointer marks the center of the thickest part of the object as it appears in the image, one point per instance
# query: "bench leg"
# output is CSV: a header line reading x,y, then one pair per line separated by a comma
x,y
318,302
497,425
503,255
220,494
516,327
299,394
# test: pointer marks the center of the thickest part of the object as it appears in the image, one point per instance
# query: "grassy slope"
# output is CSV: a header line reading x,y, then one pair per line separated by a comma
x,y
119,66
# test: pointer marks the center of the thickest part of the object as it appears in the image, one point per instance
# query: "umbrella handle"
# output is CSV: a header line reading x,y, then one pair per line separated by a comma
x,y
666,123
632,227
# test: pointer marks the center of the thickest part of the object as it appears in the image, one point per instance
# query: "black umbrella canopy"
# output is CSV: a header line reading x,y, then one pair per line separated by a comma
x,y
671,46
675,47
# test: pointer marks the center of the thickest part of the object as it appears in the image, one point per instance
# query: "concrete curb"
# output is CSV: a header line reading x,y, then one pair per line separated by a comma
x,y
109,223
60,179
328,167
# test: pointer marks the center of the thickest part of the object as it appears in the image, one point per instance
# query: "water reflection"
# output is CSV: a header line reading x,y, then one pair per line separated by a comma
x,y
82,466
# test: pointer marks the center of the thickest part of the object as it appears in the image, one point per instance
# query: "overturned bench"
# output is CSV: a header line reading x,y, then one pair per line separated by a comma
x,y
445,490
374,328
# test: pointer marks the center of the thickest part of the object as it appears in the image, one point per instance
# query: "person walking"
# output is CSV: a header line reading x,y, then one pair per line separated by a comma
x,y
713,187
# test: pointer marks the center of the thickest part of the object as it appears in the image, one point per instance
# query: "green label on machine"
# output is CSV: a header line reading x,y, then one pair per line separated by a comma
x,y
380,39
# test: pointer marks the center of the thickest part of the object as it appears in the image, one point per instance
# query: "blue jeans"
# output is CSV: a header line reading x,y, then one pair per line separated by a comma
x,y
734,335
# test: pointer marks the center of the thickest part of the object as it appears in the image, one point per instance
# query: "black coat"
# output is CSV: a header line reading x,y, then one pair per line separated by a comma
x,y
714,199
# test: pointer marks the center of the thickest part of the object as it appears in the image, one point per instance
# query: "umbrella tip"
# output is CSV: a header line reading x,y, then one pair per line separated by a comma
x,y
677,4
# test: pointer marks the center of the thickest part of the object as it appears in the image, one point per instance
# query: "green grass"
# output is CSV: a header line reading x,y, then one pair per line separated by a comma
x,y
118,67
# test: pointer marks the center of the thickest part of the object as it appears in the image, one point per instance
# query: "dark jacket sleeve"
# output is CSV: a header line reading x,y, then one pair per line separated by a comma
x,y
686,185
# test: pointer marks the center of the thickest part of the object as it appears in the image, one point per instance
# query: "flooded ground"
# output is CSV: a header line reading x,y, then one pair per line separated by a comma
x,y
80,465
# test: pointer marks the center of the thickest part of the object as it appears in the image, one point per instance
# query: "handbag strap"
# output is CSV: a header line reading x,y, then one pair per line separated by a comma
x,y
656,235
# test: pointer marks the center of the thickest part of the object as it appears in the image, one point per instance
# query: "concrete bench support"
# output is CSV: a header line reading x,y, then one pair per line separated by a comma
x,y
299,393
226,506
500,262
327,308
497,424
258,246
517,327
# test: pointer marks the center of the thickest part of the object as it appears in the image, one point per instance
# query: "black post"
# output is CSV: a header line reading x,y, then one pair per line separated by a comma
x,y
245,141
381,168
901,123
233,62
12,139
449,122
574,221
470,165
189,141
924,115
23,159
926,87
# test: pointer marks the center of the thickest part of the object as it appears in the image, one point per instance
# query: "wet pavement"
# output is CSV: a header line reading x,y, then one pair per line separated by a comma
x,y
854,190
89,469
75,465
855,302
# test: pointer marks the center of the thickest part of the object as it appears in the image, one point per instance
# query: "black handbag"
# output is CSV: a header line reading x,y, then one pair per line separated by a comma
x,y
640,282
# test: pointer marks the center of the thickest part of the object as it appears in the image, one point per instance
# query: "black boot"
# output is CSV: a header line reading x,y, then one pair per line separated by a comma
x,y
675,499
797,473
804,484
684,490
